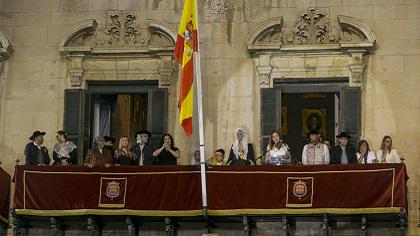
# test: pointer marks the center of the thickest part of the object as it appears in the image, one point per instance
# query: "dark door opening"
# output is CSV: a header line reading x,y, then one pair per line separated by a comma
x,y
302,112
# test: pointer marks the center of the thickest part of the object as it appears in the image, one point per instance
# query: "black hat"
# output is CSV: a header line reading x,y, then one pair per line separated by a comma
x,y
314,131
109,139
36,134
343,135
144,132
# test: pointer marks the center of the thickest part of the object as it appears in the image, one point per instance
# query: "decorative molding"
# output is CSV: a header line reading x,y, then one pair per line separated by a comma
x,y
124,38
166,68
123,34
312,32
312,27
6,48
264,69
218,7
311,48
123,30
77,34
266,33
75,71
353,25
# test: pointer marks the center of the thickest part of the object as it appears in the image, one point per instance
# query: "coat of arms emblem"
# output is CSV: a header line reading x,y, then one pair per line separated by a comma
x,y
300,189
113,189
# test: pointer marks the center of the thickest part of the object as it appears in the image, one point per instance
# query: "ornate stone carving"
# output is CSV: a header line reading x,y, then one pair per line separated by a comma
x,y
312,27
264,70
123,30
218,6
357,68
165,71
6,48
75,71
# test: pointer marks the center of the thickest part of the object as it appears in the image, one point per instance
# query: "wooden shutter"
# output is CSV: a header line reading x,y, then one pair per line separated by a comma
x,y
350,113
270,118
157,115
76,122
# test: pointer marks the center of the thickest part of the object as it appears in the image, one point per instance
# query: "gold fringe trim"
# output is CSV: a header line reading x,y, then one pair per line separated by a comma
x,y
286,211
80,212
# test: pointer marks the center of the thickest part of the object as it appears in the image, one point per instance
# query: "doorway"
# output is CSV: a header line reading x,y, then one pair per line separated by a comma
x,y
302,112
294,106
119,115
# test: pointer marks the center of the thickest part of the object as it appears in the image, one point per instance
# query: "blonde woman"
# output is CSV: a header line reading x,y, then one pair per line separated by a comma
x,y
124,156
387,154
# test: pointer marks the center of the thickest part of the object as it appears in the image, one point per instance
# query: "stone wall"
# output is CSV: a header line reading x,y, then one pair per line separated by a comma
x,y
34,78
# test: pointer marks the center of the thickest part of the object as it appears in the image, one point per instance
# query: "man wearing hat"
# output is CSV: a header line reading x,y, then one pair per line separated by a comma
x,y
343,153
35,152
315,152
142,149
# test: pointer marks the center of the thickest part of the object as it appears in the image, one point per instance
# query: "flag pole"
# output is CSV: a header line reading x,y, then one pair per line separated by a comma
x,y
200,118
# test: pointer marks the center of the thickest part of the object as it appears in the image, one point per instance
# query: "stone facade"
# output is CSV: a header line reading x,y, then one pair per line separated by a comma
x,y
50,45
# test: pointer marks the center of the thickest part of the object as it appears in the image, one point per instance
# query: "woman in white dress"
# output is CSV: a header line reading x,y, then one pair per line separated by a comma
x,y
277,152
364,154
388,154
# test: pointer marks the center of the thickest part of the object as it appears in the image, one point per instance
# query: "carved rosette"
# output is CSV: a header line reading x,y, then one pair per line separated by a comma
x,y
123,30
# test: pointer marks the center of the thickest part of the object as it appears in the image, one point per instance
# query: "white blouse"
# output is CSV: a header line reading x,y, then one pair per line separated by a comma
x,y
370,157
391,157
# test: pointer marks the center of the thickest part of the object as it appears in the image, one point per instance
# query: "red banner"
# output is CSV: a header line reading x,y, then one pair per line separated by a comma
x,y
176,190
4,195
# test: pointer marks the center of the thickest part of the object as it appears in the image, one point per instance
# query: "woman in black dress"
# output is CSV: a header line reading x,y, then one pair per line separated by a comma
x,y
124,156
167,153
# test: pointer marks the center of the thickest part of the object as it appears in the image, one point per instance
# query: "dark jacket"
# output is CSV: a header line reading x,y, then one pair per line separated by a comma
x,y
250,157
147,154
36,156
335,155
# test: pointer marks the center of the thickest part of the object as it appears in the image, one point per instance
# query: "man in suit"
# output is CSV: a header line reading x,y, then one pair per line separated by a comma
x,y
343,153
35,152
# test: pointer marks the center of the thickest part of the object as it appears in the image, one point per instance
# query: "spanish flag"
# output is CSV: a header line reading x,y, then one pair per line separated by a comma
x,y
186,45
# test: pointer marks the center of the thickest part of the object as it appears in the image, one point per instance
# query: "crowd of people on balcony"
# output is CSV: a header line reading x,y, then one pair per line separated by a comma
x,y
317,151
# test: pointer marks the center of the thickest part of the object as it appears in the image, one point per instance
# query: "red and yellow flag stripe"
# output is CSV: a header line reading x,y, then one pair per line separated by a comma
x,y
186,44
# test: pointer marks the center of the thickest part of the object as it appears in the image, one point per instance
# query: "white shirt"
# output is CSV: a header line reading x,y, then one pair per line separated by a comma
x,y
370,157
391,157
318,159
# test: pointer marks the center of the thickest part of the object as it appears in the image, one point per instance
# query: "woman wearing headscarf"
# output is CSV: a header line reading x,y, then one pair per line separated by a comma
x,y
241,152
